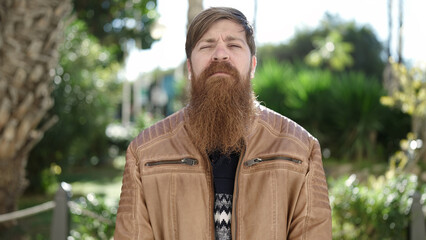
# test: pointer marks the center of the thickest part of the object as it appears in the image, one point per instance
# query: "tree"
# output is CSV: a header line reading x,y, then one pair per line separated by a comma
x,y
331,51
194,8
86,91
86,94
115,22
30,33
366,50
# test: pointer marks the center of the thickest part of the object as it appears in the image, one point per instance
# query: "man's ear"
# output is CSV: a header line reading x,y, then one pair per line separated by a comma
x,y
253,66
188,66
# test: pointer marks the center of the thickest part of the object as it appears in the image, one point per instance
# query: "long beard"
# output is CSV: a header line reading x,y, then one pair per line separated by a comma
x,y
221,109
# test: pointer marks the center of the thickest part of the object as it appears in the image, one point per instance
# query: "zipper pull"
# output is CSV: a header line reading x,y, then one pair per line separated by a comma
x,y
189,161
252,162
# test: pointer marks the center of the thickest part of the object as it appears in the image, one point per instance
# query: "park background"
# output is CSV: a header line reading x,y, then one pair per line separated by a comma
x,y
79,80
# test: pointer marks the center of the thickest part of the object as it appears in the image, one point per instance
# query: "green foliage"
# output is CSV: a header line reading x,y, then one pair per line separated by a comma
x,y
378,209
331,51
101,223
343,110
355,115
270,84
115,21
355,47
409,94
368,50
294,91
407,91
85,93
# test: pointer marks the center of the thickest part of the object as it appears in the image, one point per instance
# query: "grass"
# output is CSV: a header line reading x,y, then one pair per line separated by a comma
x,y
334,168
104,182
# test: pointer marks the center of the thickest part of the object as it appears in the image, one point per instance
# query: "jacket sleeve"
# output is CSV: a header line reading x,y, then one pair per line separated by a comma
x,y
313,216
132,220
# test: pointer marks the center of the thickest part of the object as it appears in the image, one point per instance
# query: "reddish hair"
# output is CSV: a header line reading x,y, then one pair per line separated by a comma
x,y
204,20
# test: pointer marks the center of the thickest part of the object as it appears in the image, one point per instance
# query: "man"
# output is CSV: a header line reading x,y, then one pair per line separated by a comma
x,y
223,167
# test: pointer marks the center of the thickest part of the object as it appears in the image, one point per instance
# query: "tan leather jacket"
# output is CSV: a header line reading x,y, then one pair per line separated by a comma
x,y
280,187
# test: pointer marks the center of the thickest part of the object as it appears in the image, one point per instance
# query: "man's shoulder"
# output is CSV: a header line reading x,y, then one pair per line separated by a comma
x,y
160,129
283,126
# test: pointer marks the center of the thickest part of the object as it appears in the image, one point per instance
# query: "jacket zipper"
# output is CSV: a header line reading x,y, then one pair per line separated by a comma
x,y
185,161
236,193
211,196
255,161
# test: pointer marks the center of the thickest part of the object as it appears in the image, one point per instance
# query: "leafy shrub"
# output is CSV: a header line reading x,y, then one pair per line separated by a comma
x,y
342,110
354,115
378,209
101,223
270,84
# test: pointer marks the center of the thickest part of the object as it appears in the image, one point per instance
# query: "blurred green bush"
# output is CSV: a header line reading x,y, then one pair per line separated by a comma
x,y
92,227
342,110
376,209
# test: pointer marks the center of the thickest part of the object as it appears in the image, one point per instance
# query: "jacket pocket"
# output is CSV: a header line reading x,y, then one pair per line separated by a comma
x,y
183,161
255,161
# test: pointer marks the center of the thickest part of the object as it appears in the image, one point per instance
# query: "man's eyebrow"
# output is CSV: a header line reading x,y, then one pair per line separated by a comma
x,y
208,40
232,38
227,39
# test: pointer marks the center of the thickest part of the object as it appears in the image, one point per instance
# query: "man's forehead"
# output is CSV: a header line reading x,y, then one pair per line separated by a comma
x,y
225,28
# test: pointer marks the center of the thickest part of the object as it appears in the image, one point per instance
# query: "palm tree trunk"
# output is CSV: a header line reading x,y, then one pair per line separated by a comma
x,y
390,82
400,30
388,50
30,32
194,8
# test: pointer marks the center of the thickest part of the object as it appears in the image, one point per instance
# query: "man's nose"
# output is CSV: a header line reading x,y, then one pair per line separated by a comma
x,y
220,54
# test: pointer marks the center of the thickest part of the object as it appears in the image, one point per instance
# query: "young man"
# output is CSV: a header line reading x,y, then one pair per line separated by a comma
x,y
223,167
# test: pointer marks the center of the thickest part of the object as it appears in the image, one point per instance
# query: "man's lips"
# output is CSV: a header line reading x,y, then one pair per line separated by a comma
x,y
220,74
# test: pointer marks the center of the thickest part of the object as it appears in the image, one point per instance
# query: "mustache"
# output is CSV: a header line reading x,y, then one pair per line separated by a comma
x,y
220,67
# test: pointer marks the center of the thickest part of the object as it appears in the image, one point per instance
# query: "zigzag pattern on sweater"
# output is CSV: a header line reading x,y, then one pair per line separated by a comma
x,y
222,215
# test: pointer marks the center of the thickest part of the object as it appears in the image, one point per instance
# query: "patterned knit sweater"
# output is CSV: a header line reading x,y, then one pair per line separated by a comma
x,y
224,168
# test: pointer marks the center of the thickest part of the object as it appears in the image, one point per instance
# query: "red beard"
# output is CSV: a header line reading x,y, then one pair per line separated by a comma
x,y
221,108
